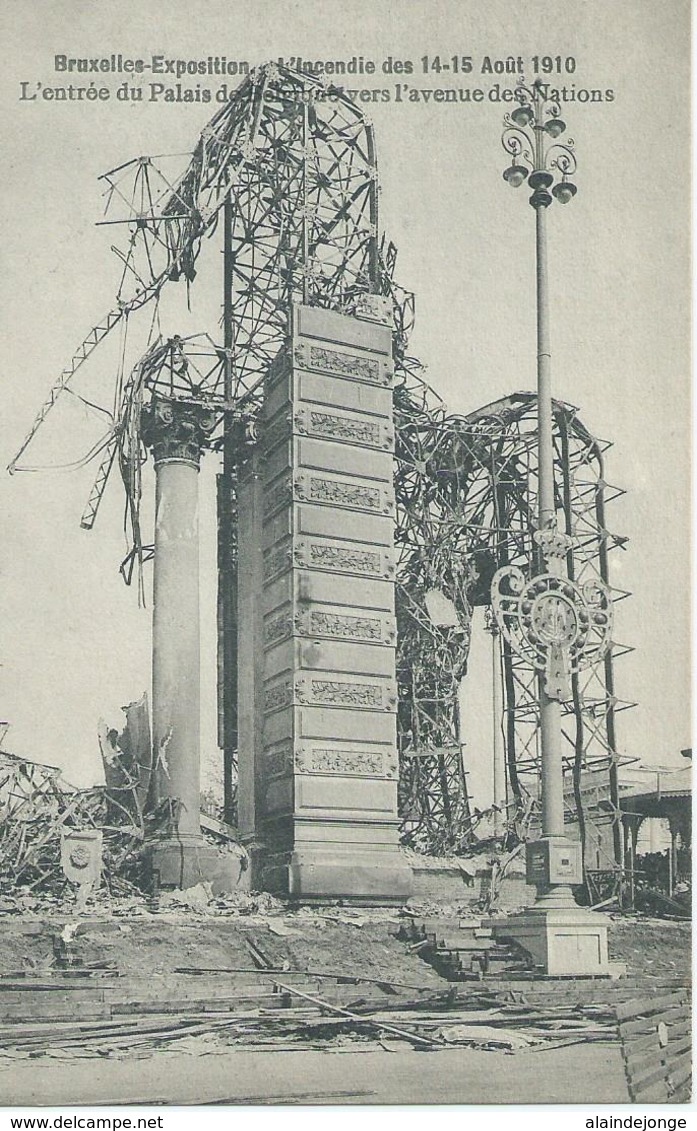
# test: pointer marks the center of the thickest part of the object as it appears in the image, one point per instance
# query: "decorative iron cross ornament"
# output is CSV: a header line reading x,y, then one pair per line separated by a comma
x,y
553,623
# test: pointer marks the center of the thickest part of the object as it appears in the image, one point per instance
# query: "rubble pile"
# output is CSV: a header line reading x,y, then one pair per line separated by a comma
x,y
37,808
40,810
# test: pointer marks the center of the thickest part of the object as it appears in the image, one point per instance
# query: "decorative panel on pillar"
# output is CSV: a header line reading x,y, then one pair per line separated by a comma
x,y
326,804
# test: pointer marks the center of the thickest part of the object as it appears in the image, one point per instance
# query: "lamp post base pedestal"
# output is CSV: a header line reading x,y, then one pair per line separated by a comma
x,y
562,941
182,863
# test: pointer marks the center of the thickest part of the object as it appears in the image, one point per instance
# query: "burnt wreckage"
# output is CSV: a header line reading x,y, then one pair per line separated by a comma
x,y
286,173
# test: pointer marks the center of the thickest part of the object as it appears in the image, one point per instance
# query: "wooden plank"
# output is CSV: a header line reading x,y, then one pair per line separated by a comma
x,y
639,1027
82,985
31,998
135,999
213,825
138,995
682,1044
20,1013
635,1064
639,1044
211,1005
657,1094
440,1017
52,1028
164,985
668,1017
683,1093
649,1006
680,1071
676,1036
648,1076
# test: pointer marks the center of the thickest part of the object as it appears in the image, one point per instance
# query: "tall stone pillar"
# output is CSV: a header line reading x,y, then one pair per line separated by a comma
x,y
250,646
318,712
175,432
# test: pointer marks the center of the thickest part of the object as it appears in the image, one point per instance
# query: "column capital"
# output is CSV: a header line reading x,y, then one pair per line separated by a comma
x,y
176,430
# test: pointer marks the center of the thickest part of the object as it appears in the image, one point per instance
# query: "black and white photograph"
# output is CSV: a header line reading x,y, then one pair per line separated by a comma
x,y
345,676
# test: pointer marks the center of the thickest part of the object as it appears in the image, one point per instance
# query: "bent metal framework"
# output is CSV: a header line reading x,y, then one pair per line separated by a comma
x,y
359,521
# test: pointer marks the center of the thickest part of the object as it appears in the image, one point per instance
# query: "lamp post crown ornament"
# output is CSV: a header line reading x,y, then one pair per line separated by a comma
x,y
554,547
531,137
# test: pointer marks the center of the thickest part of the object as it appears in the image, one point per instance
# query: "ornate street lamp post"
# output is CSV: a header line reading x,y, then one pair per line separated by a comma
x,y
553,623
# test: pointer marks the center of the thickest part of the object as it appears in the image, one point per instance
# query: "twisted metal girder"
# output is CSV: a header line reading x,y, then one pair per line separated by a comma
x,y
298,164
467,493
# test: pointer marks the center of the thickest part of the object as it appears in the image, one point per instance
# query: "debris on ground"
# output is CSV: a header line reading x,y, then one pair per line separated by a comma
x,y
36,806
252,1008
58,840
249,969
197,897
119,1016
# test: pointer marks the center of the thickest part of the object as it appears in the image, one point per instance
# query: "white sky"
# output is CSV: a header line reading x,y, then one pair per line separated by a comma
x,y
75,646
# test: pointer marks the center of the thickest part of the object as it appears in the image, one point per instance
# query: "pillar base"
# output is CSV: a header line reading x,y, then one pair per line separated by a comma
x,y
562,941
183,863
382,877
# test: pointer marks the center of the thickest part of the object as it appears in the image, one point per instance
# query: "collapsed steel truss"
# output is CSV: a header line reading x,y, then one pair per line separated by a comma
x,y
296,165
290,167
467,491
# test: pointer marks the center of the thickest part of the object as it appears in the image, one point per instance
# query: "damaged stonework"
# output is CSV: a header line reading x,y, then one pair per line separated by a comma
x,y
41,813
127,762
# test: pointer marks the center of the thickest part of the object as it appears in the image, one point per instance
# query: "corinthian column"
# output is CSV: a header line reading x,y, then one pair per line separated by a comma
x,y
175,432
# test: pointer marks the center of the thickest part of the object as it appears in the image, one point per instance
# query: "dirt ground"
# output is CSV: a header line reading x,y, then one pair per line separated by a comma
x,y
355,1075
660,948
133,940
132,937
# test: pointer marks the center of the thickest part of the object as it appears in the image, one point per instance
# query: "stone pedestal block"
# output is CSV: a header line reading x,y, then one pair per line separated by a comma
x,y
175,863
361,875
562,942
